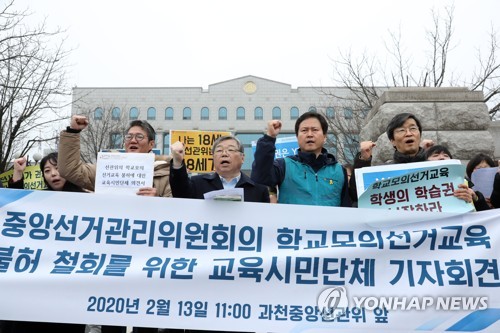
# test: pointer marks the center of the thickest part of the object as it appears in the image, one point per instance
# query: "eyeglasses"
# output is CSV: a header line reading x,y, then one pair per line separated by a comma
x,y
402,130
138,137
229,150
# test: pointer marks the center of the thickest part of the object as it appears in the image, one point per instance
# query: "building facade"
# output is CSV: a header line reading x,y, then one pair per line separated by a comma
x,y
243,106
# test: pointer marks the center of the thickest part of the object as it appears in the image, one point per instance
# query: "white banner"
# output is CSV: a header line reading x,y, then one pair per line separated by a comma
x,y
182,263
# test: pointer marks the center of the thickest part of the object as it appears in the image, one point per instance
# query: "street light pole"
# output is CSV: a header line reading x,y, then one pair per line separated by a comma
x,y
37,157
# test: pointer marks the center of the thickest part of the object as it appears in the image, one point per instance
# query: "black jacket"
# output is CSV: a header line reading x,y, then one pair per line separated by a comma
x,y
196,186
495,195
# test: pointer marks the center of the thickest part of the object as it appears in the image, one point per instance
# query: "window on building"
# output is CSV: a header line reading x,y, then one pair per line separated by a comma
x,y
294,113
330,112
276,113
351,144
166,144
116,113
222,113
157,139
151,113
98,113
258,113
169,113
312,109
365,112
133,113
331,144
205,113
116,141
240,113
348,113
186,113
246,141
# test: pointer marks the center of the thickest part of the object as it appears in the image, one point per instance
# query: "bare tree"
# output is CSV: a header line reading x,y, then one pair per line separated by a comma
x,y
365,77
106,129
343,137
32,81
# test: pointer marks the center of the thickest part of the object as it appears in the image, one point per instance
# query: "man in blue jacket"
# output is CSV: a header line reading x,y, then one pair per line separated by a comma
x,y
228,158
312,176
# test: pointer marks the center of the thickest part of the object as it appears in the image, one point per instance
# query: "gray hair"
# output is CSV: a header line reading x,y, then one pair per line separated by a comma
x,y
225,138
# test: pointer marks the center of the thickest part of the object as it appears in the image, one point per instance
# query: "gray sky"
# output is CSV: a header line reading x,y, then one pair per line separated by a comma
x,y
199,42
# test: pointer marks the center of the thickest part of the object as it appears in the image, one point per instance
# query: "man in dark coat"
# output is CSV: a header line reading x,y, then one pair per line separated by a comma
x,y
405,133
228,158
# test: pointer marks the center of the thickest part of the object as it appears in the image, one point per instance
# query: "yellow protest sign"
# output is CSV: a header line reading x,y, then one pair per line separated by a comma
x,y
33,179
198,148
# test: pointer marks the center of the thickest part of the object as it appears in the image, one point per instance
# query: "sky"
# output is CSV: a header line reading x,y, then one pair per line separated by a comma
x,y
194,43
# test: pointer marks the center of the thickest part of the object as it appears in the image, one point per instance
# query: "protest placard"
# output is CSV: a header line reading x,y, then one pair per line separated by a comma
x,y
198,148
286,146
121,173
429,188
33,179
368,175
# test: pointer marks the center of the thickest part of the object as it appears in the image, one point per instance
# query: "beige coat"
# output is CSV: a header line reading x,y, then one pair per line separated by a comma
x,y
82,174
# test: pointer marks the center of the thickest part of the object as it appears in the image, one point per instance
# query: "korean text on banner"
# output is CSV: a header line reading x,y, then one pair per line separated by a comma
x,y
33,179
123,173
287,146
198,148
366,176
219,265
428,189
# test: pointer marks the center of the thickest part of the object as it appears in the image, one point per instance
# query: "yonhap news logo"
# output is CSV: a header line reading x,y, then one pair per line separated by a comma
x,y
333,303
439,303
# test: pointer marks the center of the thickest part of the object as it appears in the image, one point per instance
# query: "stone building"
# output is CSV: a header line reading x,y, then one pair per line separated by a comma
x,y
243,106
455,117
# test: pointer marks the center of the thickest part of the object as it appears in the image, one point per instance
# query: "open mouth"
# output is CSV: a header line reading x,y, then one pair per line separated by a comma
x,y
224,162
310,142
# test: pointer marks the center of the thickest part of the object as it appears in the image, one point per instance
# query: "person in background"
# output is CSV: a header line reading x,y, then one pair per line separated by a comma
x,y
438,153
349,168
140,138
479,161
54,182
228,157
495,195
312,176
273,194
50,174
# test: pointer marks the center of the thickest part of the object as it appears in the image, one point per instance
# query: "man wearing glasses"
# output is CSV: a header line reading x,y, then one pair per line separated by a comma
x,y
404,131
140,138
228,158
